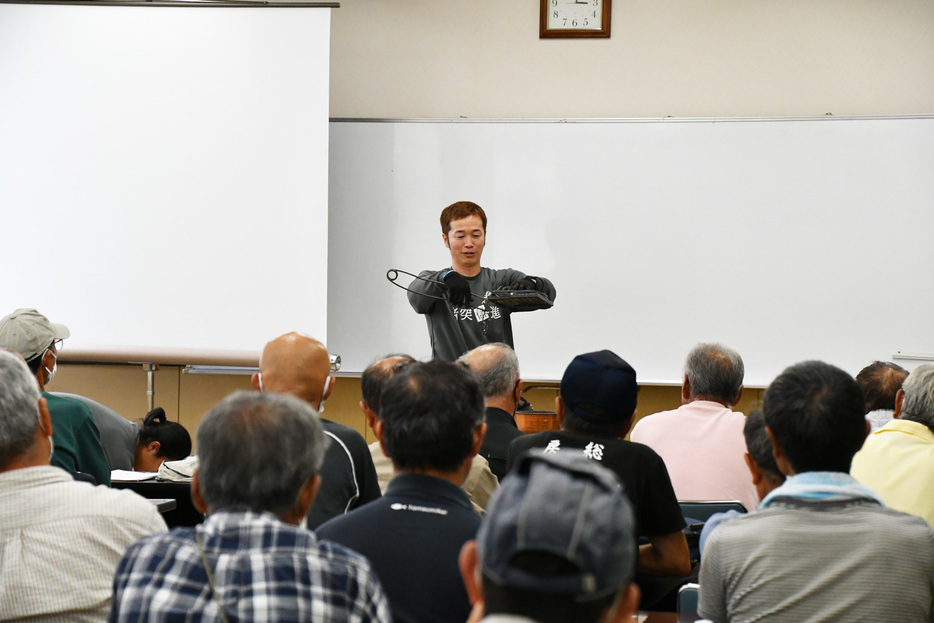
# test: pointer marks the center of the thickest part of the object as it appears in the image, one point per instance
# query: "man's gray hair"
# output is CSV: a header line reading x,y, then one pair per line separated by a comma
x,y
496,373
256,450
716,371
19,407
918,405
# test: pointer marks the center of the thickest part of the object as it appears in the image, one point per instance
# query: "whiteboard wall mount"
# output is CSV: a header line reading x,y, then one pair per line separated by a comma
x,y
913,356
605,120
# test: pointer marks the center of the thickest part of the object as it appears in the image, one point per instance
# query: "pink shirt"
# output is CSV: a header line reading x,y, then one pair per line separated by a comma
x,y
702,445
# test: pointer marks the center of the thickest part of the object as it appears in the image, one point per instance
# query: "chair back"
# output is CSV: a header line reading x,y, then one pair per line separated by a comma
x,y
702,510
687,598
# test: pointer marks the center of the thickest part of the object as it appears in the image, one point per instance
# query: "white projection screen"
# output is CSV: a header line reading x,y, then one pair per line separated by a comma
x,y
164,172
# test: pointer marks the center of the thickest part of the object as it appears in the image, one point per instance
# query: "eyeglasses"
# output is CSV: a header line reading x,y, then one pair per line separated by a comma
x,y
58,344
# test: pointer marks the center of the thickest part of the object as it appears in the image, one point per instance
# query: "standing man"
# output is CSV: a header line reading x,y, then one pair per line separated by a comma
x,y
463,320
497,370
77,439
702,441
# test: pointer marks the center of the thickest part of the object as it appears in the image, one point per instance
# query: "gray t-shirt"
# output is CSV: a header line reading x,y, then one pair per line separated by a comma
x,y
455,330
119,436
819,560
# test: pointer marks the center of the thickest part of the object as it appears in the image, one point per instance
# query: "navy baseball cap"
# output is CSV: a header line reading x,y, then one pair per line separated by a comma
x,y
600,387
566,506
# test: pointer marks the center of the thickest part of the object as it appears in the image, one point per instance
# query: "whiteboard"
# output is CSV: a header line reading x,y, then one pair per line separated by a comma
x,y
786,239
163,171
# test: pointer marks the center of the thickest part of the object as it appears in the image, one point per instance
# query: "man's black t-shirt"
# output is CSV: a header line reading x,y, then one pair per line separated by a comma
x,y
640,469
501,429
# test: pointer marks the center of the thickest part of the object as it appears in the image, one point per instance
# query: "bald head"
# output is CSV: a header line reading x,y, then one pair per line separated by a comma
x,y
295,364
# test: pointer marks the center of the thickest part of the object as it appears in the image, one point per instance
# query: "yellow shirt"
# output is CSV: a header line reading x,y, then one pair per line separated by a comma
x,y
897,461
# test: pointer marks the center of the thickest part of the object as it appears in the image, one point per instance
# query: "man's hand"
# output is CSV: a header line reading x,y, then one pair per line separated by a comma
x,y
529,283
458,288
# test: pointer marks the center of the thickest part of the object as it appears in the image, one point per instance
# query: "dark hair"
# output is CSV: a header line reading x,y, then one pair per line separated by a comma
x,y
429,413
174,440
376,375
609,426
459,210
36,362
758,444
540,606
880,381
815,411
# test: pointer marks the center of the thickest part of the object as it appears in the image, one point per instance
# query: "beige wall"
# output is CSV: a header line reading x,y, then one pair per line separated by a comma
x,y
187,397
680,58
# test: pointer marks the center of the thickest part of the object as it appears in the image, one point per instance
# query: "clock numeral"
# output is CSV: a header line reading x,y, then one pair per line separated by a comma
x,y
574,23
586,22
594,14
596,2
555,15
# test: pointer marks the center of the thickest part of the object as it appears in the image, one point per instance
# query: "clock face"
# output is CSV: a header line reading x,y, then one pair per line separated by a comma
x,y
575,15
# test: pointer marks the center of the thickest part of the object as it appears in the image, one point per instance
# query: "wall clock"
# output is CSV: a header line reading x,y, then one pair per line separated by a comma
x,y
569,19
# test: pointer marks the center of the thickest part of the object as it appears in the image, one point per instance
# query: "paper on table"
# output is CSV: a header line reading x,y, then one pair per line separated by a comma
x,y
125,475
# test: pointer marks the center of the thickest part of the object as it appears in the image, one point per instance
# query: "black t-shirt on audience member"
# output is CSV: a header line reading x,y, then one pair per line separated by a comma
x,y
501,429
638,467
348,476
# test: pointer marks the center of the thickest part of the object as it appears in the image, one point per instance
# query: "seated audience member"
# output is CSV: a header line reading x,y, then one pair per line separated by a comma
x,y
60,540
897,461
160,440
119,436
497,370
595,409
761,462
250,561
299,365
880,382
77,439
701,442
431,426
821,547
480,482
543,558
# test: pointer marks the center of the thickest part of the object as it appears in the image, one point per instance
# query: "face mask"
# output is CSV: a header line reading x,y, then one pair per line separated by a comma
x,y
324,392
54,368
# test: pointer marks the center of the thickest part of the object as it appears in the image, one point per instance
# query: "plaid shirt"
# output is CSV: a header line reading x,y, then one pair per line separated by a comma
x,y
264,570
